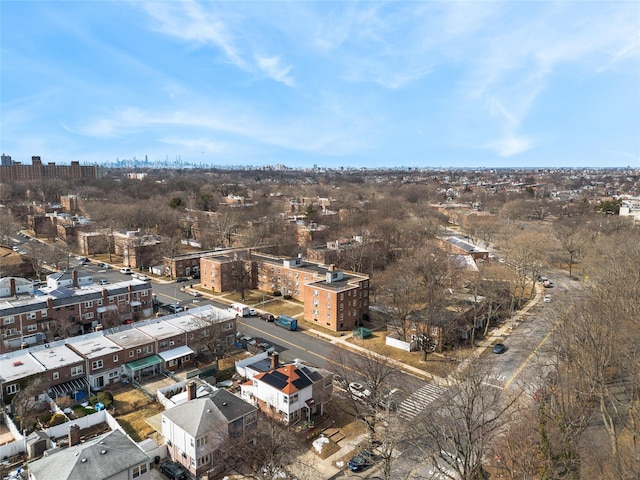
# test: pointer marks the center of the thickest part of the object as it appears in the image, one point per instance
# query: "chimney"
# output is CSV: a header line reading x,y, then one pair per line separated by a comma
x,y
275,360
12,287
191,390
74,435
332,267
74,276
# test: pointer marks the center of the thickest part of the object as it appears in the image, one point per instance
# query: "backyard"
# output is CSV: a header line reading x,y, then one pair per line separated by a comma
x,y
132,408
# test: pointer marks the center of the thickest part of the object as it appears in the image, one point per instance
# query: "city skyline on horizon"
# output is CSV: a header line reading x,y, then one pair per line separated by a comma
x,y
340,84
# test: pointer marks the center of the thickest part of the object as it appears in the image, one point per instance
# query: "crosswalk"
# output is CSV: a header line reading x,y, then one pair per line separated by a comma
x,y
418,401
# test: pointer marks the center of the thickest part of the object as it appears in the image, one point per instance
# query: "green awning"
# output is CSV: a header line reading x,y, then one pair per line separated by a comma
x,y
144,363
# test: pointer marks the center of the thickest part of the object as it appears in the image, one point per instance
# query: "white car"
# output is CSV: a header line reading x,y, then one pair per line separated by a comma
x,y
175,308
125,270
141,276
195,293
359,391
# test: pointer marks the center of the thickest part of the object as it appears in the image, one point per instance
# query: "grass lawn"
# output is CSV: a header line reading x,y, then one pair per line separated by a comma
x,y
131,409
438,364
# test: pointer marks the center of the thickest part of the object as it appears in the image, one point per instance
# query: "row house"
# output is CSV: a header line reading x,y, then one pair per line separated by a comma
x,y
63,311
74,366
65,371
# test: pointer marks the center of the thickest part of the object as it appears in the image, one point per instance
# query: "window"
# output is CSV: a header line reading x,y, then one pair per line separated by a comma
x,y
88,304
115,359
88,315
9,332
164,344
228,325
111,300
148,349
32,316
32,328
113,374
316,293
75,371
100,302
9,320
294,398
131,353
342,296
43,313
138,350
11,389
97,364
204,460
139,470
200,442
56,375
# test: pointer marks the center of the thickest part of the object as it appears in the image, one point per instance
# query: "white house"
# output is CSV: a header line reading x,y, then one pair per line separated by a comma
x,y
291,392
195,430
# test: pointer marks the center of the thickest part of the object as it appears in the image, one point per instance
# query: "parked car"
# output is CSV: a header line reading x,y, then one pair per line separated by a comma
x,y
267,317
103,281
547,284
175,308
252,312
195,293
361,461
173,470
141,276
359,391
125,270
499,348
106,266
181,279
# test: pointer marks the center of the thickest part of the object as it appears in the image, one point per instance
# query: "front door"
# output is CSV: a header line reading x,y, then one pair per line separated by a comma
x,y
98,382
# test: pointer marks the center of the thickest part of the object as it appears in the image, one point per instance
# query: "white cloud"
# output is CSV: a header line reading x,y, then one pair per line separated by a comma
x,y
272,67
510,145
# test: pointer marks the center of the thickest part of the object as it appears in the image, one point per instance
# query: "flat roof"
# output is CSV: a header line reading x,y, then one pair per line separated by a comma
x,y
193,319
160,330
17,365
96,346
55,356
130,338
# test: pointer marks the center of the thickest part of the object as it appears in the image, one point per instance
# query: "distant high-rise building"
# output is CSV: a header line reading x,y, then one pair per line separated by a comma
x,y
16,172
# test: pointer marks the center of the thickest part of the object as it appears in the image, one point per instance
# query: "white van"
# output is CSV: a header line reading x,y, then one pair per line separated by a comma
x,y
125,270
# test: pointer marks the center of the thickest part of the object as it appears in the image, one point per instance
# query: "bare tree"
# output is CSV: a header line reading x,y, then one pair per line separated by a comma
x,y
457,435
375,372
26,401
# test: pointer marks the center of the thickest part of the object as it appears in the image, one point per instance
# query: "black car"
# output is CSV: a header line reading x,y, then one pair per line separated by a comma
x,y
182,279
267,317
173,470
361,461
499,348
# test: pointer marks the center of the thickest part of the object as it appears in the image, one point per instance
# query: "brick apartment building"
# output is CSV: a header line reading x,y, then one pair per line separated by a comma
x,y
333,298
11,171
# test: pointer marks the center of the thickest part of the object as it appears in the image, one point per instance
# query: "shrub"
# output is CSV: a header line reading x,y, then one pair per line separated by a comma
x,y
57,419
105,397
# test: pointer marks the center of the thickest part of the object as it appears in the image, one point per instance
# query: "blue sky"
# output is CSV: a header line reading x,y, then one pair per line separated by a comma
x,y
331,83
